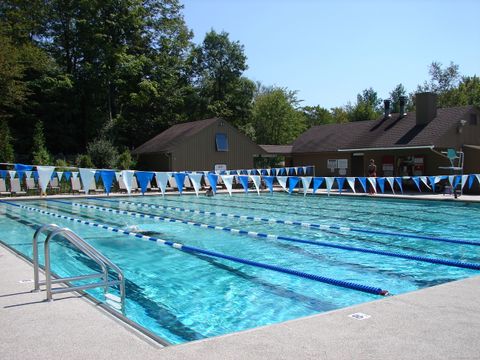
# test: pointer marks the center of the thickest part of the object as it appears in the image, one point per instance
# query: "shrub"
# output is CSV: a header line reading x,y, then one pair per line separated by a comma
x,y
103,153
125,161
84,161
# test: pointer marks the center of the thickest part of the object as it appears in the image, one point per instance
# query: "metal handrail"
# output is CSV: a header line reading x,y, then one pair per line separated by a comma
x,y
87,249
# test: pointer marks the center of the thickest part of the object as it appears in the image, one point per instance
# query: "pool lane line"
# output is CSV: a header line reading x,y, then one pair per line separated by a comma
x,y
300,251
312,303
193,249
298,223
437,261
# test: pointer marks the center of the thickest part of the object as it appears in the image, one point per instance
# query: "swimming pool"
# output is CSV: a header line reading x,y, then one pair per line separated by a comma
x,y
183,296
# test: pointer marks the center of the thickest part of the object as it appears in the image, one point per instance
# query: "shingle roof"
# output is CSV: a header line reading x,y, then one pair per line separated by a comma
x,y
173,136
380,133
277,149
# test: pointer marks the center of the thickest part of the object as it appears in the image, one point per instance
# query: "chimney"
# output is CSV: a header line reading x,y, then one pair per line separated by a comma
x,y
402,102
386,106
426,104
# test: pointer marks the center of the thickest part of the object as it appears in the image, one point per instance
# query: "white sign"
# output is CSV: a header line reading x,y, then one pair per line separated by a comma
x,y
342,163
220,167
332,164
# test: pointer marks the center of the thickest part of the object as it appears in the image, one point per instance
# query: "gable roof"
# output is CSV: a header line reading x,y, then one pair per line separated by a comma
x,y
277,149
395,132
173,136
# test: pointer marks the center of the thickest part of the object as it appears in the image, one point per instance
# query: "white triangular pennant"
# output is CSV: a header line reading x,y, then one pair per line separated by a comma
x,y
87,176
451,178
59,175
373,182
424,180
196,180
329,184
464,180
390,181
28,174
351,183
256,182
282,180
306,180
228,181
162,180
74,174
127,178
118,176
44,175
12,173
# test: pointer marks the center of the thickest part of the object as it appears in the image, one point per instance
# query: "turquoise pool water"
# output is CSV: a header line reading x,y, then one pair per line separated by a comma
x,y
184,296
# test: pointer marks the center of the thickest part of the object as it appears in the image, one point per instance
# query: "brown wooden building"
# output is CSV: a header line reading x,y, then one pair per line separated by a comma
x,y
401,144
199,145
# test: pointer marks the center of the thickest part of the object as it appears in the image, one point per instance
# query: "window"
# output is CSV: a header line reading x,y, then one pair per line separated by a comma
x,y
221,142
473,119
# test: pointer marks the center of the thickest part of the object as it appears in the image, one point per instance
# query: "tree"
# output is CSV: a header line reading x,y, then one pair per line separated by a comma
x,y
367,106
125,160
466,93
6,148
275,118
339,115
316,115
40,154
216,71
395,95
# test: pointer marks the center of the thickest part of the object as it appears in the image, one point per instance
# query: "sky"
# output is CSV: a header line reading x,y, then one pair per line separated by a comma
x,y
329,51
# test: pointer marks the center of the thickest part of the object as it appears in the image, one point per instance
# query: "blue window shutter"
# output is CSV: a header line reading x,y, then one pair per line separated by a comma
x,y
221,142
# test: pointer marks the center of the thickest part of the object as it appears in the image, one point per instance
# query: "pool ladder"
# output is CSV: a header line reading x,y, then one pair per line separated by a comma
x,y
52,231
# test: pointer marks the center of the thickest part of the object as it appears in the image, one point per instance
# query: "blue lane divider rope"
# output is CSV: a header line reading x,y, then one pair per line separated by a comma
x,y
187,248
298,223
255,234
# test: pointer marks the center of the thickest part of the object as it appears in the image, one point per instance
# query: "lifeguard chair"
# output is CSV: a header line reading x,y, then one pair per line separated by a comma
x,y
456,159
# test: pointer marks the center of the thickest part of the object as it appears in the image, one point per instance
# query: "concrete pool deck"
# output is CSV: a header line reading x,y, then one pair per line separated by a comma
x,y
441,322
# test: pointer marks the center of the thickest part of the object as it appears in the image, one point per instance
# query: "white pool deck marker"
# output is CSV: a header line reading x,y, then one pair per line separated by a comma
x,y
359,316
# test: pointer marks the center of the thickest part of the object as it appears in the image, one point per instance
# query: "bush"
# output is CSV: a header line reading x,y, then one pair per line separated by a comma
x,y
84,161
125,161
102,153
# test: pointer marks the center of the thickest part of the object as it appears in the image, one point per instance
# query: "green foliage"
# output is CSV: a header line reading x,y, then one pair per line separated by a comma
x,y
339,115
216,68
40,154
395,95
275,119
103,153
84,161
61,163
466,93
125,161
316,115
6,148
367,106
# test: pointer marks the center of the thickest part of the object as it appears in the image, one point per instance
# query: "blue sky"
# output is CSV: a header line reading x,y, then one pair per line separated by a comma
x,y
331,50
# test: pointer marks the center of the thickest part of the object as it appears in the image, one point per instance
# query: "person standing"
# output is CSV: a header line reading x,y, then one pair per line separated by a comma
x,y
372,172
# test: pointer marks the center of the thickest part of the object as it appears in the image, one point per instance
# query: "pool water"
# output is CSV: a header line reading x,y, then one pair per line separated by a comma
x,y
183,296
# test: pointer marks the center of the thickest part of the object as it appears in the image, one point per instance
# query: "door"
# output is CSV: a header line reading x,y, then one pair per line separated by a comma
x,y
358,168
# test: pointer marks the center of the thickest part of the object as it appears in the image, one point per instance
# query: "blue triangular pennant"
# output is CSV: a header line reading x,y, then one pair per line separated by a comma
x,y
269,182
431,180
244,181
213,179
67,175
3,174
363,182
292,182
97,175
179,179
470,180
416,180
35,175
456,181
398,180
381,184
143,178
107,179
20,169
317,182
